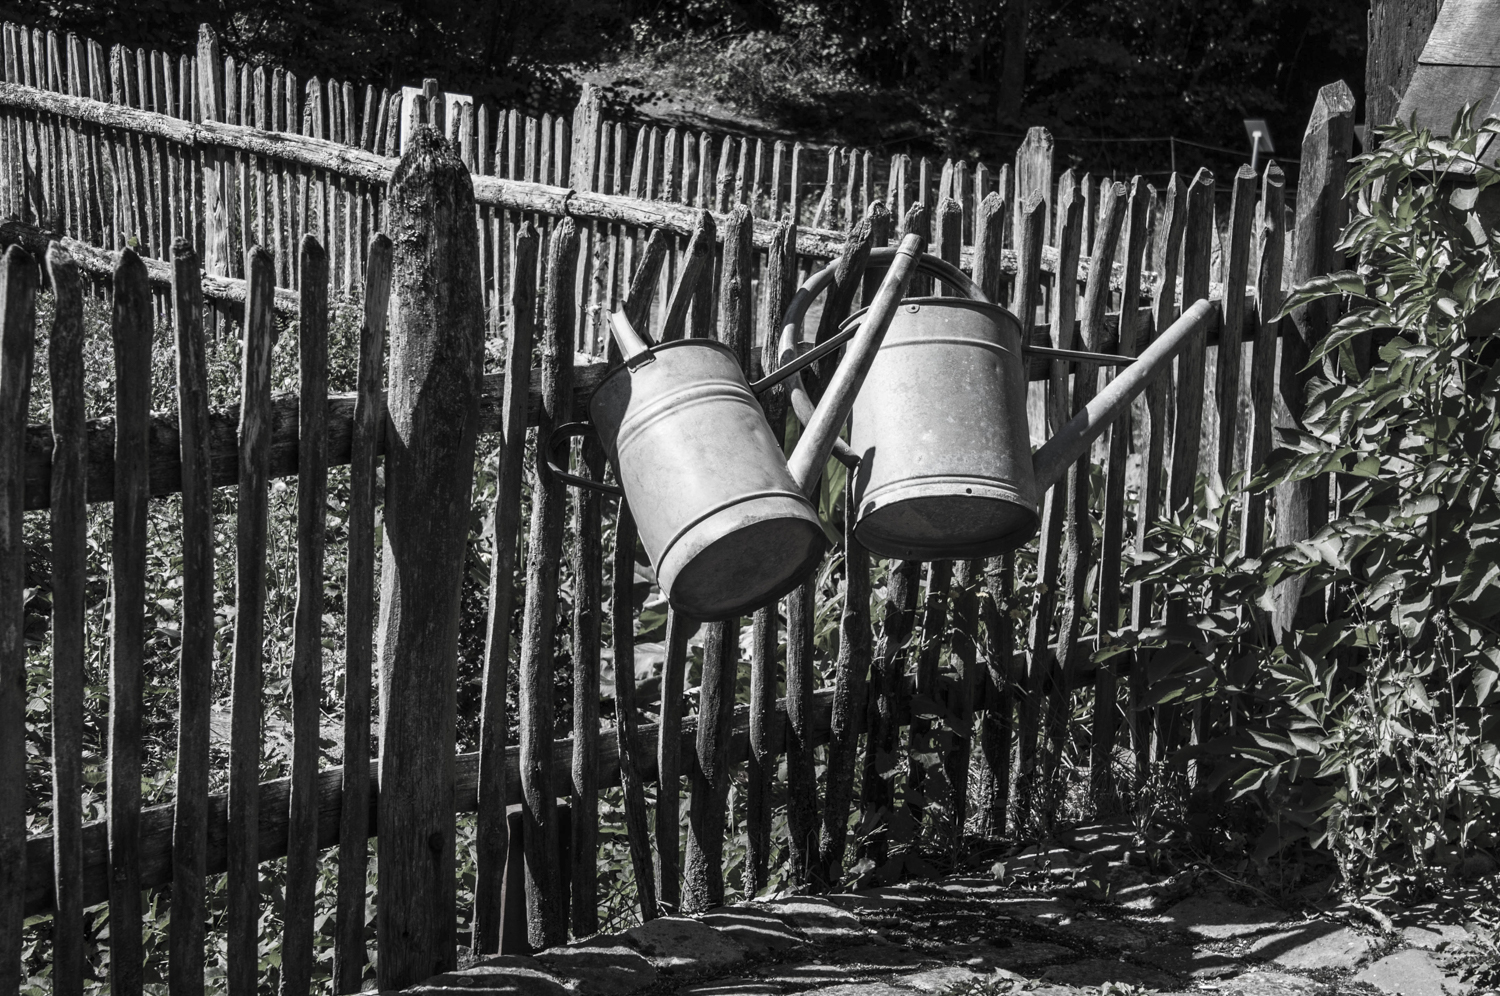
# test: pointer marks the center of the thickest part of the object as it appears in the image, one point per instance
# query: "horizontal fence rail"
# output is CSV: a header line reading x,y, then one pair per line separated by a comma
x,y
442,649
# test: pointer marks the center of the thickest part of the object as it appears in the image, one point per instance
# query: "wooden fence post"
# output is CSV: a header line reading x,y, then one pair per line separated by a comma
x,y
1302,506
1166,256
69,522
703,871
1034,176
1112,543
622,614
359,638
196,667
779,279
492,839
1263,359
131,325
307,650
546,903
17,327
437,329
1078,526
215,208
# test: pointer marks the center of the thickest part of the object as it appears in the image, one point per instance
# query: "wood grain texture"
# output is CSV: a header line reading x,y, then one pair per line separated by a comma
x,y
349,956
1398,31
695,259
436,358
1466,33
1232,331
69,534
492,835
1034,176
801,780
622,625
778,279
703,879
164,439
1078,527
1187,442
215,140
670,763
18,286
1112,542
1026,296
195,668
546,909
1302,506
307,622
1272,222
996,736
227,292
156,822
588,567
251,531
1167,253
919,800
960,704
878,792
131,326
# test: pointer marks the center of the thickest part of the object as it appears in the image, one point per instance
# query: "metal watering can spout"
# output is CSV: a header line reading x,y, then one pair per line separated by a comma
x,y
817,440
1072,441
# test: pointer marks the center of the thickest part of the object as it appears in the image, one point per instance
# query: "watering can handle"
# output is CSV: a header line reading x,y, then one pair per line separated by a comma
x,y
791,328
562,433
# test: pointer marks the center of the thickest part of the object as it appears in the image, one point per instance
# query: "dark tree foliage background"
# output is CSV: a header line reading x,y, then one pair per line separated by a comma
x,y
960,76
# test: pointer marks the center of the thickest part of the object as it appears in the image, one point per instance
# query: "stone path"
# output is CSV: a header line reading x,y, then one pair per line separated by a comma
x,y
976,935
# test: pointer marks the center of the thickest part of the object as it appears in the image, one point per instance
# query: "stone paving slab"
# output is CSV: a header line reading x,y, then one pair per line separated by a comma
x,y
821,920
733,987
928,938
1409,973
1434,936
1216,918
682,945
1316,945
508,974
757,929
1092,972
1190,962
600,966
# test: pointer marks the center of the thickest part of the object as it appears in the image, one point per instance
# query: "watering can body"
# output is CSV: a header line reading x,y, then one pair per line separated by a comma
x,y
941,435
717,509
939,440
723,514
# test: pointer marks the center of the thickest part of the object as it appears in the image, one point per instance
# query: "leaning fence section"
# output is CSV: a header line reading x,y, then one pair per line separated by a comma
x,y
984,698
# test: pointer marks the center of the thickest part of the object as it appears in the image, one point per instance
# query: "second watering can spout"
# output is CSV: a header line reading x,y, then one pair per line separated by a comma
x,y
822,430
724,518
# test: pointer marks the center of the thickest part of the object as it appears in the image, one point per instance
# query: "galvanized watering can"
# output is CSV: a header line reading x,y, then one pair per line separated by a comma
x,y
939,434
724,516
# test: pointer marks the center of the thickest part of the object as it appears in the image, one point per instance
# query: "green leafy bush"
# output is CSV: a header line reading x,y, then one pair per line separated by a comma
x,y
1375,735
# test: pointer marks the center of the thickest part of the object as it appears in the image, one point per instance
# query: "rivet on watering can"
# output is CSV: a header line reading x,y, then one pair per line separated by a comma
x,y
913,308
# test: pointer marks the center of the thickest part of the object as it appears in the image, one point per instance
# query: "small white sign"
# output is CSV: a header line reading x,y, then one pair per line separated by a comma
x,y
1259,134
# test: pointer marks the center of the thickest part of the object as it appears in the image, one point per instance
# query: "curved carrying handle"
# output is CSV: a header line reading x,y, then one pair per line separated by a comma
x,y
792,363
561,434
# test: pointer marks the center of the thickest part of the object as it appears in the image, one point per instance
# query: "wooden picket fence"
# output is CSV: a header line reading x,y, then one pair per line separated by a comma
x,y
273,196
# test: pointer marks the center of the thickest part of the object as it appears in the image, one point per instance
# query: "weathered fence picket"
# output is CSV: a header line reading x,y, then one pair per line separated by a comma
x,y
195,665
